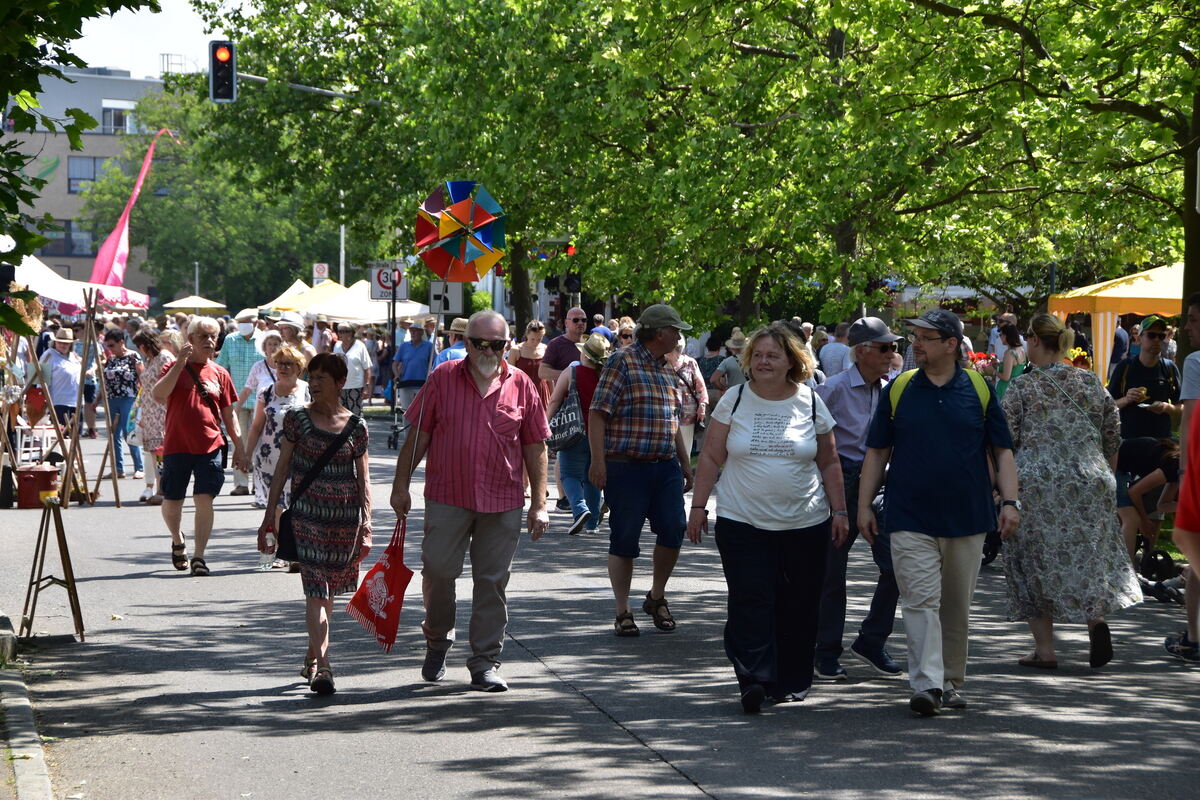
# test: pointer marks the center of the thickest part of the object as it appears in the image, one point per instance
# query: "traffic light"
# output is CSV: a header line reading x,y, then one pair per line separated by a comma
x,y
222,72
573,283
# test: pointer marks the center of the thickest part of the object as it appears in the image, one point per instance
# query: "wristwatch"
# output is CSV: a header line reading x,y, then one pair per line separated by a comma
x,y
1014,503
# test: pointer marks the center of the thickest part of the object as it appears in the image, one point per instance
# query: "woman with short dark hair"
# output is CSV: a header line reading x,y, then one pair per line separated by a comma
x,y
122,369
1015,358
332,518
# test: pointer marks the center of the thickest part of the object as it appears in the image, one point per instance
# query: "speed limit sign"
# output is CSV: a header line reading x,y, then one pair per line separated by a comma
x,y
383,279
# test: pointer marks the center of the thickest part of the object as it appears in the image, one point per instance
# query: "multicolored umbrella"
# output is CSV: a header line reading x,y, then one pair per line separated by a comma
x,y
460,231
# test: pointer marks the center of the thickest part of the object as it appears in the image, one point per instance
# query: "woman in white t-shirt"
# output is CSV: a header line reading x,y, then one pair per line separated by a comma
x,y
774,437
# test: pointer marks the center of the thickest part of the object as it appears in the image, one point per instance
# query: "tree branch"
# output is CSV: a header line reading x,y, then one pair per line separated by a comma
x,y
1027,34
755,50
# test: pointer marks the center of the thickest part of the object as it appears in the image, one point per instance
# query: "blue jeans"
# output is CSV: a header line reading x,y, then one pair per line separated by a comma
x,y
121,408
573,465
881,619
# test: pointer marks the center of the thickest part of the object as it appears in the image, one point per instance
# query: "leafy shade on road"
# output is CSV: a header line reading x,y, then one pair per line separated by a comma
x,y
34,39
248,241
729,158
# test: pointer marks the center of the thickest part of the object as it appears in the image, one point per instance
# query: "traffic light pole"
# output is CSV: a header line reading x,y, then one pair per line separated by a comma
x,y
299,87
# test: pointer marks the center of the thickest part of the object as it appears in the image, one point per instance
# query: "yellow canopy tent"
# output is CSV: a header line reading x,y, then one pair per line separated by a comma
x,y
326,290
1155,291
296,288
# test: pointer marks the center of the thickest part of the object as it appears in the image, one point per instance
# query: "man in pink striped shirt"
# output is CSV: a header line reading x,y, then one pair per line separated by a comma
x,y
479,420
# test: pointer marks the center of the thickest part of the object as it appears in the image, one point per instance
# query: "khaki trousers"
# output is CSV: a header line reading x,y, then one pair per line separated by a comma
x,y
936,577
492,539
245,416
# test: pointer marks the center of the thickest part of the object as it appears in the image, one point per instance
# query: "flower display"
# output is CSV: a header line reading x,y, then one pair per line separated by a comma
x,y
1078,357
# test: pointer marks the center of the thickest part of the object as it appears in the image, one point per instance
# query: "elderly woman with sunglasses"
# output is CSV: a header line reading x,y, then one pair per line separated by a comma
x,y
281,394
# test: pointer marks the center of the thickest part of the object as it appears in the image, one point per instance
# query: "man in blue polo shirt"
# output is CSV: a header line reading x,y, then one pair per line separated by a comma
x,y
936,430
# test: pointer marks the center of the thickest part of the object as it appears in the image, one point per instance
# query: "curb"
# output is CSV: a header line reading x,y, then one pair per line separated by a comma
x,y
28,758
8,640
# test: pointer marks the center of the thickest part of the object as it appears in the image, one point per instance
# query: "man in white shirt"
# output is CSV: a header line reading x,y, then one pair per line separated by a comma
x,y
358,366
835,355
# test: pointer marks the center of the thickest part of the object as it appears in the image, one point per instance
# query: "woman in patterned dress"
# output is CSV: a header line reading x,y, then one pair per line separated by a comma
x,y
284,392
332,519
1067,561
152,415
121,372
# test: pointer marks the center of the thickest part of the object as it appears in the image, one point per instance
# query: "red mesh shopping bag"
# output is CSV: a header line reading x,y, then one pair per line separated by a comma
x,y
377,603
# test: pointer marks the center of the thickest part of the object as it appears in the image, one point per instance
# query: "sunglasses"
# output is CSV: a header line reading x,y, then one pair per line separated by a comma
x,y
1156,334
626,336
496,345
883,347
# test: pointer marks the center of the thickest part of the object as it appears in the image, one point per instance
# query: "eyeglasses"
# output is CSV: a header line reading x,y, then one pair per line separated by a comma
x,y
577,319
1156,334
626,336
912,337
496,345
288,364
883,347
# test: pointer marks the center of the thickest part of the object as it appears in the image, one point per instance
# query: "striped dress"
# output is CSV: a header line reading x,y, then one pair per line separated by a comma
x,y
326,516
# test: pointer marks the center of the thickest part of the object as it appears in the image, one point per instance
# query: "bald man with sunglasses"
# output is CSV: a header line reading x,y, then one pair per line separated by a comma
x,y
479,419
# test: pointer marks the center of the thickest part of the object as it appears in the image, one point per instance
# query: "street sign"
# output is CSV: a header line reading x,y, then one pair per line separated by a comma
x,y
445,298
381,283
320,273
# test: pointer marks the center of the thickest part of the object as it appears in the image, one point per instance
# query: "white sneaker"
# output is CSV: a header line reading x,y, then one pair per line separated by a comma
x,y
138,475
147,493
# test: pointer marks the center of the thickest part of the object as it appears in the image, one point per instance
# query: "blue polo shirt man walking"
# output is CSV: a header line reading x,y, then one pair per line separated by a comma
x,y
937,432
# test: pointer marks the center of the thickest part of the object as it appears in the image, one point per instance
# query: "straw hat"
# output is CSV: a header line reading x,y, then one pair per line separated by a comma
x,y
737,340
65,335
291,318
595,349
459,325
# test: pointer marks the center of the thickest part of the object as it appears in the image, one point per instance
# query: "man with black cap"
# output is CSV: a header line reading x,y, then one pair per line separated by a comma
x,y
852,397
640,462
1146,388
936,426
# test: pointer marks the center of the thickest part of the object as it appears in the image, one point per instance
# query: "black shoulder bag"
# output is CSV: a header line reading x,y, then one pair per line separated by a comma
x,y
285,546
206,397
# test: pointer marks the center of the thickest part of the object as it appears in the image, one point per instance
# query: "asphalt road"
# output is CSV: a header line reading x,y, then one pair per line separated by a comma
x,y
189,688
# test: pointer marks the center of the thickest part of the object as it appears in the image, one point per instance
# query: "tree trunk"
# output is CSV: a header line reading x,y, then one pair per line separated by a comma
x,y
522,299
1191,224
748,293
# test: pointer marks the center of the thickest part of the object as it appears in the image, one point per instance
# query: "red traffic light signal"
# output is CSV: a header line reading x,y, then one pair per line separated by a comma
x,y
222,72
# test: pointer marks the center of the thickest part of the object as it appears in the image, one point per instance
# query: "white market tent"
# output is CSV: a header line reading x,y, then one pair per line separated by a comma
x,y
193,302
67,295
297,287
355,305
301,301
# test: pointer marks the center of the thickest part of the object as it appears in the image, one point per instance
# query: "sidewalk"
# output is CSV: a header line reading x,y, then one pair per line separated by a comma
x,y
189,688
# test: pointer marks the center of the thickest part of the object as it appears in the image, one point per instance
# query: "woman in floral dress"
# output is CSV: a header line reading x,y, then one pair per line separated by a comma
x,y
1067,561
285,392
121,372
332,519
152,415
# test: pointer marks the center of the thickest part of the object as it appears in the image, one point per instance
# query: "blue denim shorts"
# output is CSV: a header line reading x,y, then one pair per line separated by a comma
x,y
641,491
178,469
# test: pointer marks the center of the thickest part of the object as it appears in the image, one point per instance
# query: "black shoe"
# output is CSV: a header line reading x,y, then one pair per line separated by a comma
x,y
952,699
1100,651
488,680
577,526
752,698
563,504
878,660
927,703
828,669
434,668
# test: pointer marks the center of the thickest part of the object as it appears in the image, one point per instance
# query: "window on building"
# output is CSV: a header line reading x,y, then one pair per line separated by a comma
x,y
117,116
82,171
72,240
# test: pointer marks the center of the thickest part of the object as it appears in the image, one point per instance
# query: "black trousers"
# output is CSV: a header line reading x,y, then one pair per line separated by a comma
x,y
775,580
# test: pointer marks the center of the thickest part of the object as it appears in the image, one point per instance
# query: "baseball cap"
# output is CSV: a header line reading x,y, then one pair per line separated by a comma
x,y
660,315
1152,320
870,329
944,322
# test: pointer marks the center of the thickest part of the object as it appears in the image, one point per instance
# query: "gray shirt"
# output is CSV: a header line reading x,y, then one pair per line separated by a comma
x,y
731,368
835,358
1190,388
852,401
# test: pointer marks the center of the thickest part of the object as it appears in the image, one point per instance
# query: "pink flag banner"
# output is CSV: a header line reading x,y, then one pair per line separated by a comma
x,y
109,267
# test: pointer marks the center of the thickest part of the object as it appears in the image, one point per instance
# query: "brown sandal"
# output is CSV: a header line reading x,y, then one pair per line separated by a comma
x,y
322,682
625,625
659,612
179,557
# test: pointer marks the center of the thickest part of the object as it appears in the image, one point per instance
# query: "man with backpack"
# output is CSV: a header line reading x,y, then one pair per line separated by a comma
x,y
937,426
1146,388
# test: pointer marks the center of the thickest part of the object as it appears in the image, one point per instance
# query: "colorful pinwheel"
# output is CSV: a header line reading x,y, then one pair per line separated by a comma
x,y
460,231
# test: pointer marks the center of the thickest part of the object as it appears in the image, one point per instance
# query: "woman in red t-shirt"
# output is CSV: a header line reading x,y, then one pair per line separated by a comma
x,y
574,461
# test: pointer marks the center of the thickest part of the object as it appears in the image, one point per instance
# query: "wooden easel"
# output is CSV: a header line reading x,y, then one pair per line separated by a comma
x,y
110,449
39,581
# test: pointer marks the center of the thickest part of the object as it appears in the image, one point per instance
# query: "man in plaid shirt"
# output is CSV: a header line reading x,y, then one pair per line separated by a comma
x,y
639,460
238,355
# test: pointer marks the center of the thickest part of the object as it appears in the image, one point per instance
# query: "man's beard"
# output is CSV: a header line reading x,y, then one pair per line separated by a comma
x,y
487,364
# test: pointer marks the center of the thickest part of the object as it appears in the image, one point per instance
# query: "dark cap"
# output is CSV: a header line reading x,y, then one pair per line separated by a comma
x,y
662,316
944,322
870,329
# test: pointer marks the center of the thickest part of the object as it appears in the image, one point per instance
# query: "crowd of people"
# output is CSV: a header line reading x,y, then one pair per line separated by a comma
x,y
808,438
